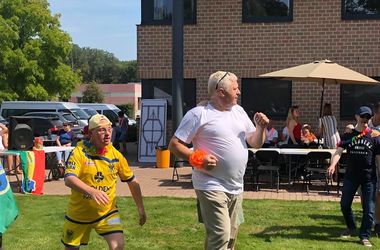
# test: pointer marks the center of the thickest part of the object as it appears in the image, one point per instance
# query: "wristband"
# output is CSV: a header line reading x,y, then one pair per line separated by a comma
x,y
196,159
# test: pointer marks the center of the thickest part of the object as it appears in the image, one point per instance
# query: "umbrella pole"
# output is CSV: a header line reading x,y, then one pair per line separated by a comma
x,y
323,91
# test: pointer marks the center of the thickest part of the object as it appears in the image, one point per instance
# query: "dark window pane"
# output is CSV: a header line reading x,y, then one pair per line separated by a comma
x,y
267,10
361,9
272,97
352,96
160,11
162,89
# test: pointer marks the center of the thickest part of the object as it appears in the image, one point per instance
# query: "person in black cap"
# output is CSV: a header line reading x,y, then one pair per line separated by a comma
x,y
363,149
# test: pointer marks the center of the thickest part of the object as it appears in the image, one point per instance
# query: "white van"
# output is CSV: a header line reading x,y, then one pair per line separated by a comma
x,y
17,108
109,110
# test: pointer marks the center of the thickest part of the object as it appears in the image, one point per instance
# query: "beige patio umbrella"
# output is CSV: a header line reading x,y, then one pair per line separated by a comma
x,y
324,71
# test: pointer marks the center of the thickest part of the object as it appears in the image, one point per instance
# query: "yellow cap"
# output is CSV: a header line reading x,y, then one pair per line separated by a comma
x,y
98,121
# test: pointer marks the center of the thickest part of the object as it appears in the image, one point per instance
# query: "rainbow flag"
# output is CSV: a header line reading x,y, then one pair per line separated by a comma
x,y
33,168
8,207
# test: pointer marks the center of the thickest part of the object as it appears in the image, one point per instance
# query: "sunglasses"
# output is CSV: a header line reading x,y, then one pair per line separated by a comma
x,y
217,84
366,116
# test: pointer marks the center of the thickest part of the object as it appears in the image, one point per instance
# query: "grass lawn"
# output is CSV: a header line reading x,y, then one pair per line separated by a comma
x,y
172,224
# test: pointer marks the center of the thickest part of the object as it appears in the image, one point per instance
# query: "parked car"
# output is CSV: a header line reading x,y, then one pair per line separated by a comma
x,y
63,117
40,125
3,120
90,111
109,110
14,108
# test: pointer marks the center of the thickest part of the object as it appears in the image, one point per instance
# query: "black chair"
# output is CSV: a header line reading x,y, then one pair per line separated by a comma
x,y
249,178
268,161
340,171
316,169
178,163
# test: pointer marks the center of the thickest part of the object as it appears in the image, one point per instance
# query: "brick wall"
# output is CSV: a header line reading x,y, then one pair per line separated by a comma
x,y
220,41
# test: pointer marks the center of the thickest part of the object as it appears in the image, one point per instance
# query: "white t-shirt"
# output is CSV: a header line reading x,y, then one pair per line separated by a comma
x,y
270,135
222,134
285,134
1,140
370,124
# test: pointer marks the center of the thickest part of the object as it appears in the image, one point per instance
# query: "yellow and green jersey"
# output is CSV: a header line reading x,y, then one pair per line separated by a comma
x,y
99,171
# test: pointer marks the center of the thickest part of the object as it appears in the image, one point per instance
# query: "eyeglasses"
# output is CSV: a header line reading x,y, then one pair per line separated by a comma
x,y
217,84
103,131
366,116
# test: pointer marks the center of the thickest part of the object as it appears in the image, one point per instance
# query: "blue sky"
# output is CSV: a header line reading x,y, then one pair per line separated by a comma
x,y
107,25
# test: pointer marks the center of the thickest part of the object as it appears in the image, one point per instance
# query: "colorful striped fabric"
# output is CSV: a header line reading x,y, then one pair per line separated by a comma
x,y
33,168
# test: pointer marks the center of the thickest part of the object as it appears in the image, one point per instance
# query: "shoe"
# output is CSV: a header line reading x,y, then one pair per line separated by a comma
x,y
365,242
19,171
377,230
347,233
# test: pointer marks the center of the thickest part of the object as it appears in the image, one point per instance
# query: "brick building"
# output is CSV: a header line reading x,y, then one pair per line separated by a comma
x,y
117,94
249,38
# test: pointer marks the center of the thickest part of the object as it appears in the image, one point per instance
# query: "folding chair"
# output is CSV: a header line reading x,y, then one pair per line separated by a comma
x,y
340,171
178,163
249,178
268,161
316,169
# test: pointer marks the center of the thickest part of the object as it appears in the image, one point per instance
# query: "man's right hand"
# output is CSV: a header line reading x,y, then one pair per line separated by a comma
x,y
331,170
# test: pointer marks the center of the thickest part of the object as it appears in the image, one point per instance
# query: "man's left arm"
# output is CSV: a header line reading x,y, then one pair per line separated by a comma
x,y
135,189
258,137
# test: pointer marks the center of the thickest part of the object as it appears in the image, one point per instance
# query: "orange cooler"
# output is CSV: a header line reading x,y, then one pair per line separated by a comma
x,y
162,157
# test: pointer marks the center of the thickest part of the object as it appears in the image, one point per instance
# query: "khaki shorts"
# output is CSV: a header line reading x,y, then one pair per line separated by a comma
x,y
77,234
221,213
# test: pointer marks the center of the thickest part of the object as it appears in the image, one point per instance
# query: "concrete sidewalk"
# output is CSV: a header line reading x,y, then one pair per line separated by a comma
x,y
158,182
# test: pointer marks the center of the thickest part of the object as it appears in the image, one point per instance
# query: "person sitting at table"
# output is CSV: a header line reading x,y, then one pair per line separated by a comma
x,y
294,126
271,136
328,128
9,163
284,137
65,138
307,137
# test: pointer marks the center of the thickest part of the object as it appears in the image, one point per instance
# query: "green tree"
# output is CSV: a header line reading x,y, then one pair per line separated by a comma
x,y
128,72
92,94
128,109
33,53
102,66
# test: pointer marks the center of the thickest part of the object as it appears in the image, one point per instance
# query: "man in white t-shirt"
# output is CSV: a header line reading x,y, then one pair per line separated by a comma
x,y
219,130
374,123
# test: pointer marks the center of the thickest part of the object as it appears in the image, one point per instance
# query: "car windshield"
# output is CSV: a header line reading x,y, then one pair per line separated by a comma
x,y
90,112
80,114
69,117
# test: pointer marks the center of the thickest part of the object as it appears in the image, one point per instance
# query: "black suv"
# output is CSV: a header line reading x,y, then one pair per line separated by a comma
x,y
62,116
40,125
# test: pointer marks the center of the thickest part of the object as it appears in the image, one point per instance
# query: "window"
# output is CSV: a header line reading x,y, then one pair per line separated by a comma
x,y
272,97
162,89
360,9
160,11
267,10
352,96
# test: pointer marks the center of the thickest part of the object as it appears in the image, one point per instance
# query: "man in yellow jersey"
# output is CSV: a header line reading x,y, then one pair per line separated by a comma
x,y
91,173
